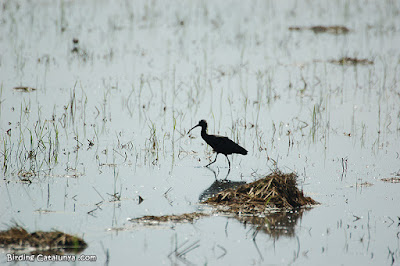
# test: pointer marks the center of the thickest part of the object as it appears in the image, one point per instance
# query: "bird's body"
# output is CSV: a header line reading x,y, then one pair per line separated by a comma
x,y
222,144
219,144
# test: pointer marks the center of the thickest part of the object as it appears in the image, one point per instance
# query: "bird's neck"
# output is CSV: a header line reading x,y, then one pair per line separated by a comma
x,y
203,132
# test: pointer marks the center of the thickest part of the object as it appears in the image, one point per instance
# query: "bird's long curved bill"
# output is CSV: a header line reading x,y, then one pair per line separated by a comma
x,y
193,128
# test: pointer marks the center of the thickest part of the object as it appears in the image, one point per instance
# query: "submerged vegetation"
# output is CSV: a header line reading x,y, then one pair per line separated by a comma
x,y
96,100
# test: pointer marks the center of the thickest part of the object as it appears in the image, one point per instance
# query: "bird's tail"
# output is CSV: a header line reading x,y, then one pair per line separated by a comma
x,y
241,150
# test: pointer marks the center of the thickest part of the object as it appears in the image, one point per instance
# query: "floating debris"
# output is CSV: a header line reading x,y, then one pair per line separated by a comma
x,y
44,211
156,220
79,52
364,184
17,238
75,42
323,29
91,144
140,199
24,89
350,61
276,190
330,29
26,174
391,180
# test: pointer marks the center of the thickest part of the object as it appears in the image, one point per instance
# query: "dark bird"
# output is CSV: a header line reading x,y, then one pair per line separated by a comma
x,y
220,144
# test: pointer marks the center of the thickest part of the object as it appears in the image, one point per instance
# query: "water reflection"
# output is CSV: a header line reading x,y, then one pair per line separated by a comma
x,y
217,174
275,224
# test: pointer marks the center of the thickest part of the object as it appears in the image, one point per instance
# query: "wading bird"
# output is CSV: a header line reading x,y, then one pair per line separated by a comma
x,y
218,143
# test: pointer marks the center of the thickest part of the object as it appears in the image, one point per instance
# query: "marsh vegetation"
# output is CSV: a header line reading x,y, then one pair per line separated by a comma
x,y
96,99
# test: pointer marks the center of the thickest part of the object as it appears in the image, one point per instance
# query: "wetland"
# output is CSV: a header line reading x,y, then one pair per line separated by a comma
x,y
97,97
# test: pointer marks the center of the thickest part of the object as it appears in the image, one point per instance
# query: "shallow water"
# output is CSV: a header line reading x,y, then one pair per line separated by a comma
x,y
142,74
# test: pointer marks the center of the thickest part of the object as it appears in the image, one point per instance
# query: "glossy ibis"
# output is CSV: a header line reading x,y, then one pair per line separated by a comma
x,y
219,144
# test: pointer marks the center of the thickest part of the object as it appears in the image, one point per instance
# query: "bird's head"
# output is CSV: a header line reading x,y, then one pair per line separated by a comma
x,y
202,124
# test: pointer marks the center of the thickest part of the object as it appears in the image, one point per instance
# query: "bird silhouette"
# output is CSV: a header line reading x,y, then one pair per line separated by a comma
x,y
219,144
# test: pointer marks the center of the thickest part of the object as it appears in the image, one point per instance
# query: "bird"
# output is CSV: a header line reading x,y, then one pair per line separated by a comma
x,y
220,144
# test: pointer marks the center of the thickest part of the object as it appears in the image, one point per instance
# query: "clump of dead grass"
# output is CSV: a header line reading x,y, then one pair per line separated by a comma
x,y
156,220
351,61
18,238
336,29
391,180
276,190
24,89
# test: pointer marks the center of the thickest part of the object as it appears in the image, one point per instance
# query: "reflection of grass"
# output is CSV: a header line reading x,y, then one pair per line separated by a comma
x,y
314,123
1,97
6,153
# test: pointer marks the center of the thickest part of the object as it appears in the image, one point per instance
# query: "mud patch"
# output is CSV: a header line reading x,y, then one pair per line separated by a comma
x,y
275,191
364,184
391,180
24,89
157,220
323,29
17,238
350,61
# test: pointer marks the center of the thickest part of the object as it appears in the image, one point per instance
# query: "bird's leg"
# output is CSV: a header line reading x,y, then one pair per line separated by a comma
x,y
229,170
228,161
213,161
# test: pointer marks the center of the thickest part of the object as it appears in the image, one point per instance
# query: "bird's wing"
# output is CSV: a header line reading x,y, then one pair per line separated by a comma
x,y
222,144
228,146
217,142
